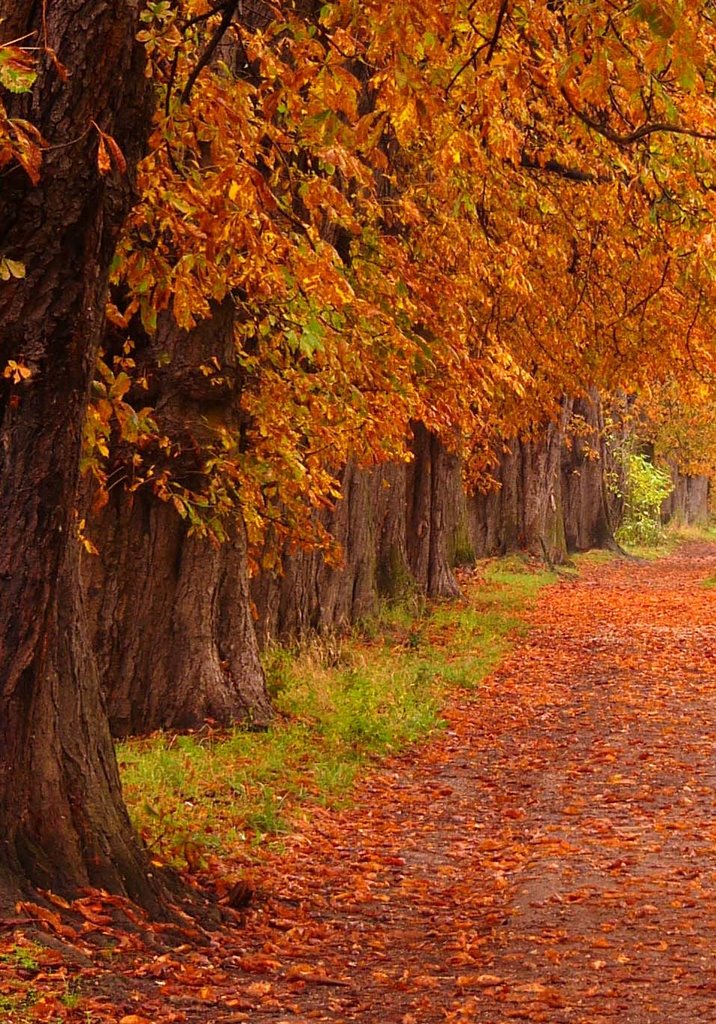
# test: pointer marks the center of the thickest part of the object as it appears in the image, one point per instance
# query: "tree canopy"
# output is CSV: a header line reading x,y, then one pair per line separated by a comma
x,y
441,212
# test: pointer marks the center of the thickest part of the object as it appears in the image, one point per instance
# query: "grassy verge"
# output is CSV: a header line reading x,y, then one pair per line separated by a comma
x,y
670,538
340,703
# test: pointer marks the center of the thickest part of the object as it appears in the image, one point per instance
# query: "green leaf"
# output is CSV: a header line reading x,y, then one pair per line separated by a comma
x,y
17,72
657,15
311,340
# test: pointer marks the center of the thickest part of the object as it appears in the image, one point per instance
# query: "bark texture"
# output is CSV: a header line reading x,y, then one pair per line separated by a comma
x,y
434,499
62,820
313,596
173,631
402,528
171,612
524,512
588,507
688,503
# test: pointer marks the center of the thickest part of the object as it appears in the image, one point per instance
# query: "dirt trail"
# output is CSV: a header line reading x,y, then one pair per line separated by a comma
x,y
550,857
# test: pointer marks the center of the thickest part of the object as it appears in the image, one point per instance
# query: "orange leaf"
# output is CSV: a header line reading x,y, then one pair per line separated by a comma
x,y
104,164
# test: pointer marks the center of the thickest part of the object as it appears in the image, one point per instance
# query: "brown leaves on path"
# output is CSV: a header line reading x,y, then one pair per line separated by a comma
x,y
550,858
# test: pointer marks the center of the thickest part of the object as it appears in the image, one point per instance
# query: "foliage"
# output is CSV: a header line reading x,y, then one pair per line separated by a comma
x,y
368,185
647,487
342,703
677,417
20,141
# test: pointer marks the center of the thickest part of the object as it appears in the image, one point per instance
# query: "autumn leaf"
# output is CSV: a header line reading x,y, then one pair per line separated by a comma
x,y
17,68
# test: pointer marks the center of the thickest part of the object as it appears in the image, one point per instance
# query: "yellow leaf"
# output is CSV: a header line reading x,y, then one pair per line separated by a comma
x,y
104,164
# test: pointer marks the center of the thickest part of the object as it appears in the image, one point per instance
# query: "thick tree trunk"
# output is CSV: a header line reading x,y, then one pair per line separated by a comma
x,y
62,820
198,658
585,463
542,513
173,631
688,503
524,513
394,580
434,500
369,524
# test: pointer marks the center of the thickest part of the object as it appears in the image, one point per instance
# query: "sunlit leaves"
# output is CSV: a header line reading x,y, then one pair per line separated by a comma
x,y
451,212
11,268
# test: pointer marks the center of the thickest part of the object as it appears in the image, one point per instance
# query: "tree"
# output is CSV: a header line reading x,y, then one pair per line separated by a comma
x,y
201,659
62,820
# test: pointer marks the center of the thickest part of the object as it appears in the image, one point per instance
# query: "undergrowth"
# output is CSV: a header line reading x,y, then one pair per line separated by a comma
x,y
340,702
671,536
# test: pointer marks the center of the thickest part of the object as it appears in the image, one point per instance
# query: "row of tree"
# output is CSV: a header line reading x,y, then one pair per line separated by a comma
x,y
410,236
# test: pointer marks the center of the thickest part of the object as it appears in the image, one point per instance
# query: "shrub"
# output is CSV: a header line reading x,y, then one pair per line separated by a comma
x,y
646,487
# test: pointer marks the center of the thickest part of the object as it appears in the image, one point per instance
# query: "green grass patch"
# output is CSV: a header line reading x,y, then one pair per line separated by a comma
x,y
340,702
17,994
673,535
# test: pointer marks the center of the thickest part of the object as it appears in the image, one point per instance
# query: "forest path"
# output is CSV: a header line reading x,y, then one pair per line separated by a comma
x,y
551,857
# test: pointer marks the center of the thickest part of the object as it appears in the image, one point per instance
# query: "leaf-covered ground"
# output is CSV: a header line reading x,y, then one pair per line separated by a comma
x,y
550,857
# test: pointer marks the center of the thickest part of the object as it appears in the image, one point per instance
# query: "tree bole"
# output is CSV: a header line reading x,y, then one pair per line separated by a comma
x,y
62,820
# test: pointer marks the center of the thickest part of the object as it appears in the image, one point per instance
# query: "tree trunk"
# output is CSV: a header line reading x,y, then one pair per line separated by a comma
x,y
62,820
434,497
173,631
688,503
524,513
369,524
585,463
542,532
198,659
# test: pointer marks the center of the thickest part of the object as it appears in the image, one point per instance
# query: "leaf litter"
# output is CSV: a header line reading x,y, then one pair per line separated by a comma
x,y
551,857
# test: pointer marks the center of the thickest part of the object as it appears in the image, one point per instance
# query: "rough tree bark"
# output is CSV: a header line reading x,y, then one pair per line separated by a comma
x,y
525,512
62,820
199,660
434,498
401,527
689,501
585,463
369,524
542,531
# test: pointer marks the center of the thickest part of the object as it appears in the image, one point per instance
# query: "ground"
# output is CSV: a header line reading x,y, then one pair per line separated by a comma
x,y
549,857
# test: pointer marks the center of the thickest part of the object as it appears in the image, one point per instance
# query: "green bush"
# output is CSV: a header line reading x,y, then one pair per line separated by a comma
x,y
646,488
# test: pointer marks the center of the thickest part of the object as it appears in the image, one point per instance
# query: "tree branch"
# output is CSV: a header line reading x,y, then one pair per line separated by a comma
x,y
642,132
560,169
498,28
226,19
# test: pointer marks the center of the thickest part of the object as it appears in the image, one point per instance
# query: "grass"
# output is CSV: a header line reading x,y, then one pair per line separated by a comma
x,y
18,995
32,990
672,535
21,956
341,703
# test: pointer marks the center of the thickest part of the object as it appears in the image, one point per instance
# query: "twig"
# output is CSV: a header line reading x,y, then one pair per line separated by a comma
x,y
226,19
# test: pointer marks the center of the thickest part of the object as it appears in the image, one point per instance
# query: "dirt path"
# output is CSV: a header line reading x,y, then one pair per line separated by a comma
x,y
551,857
